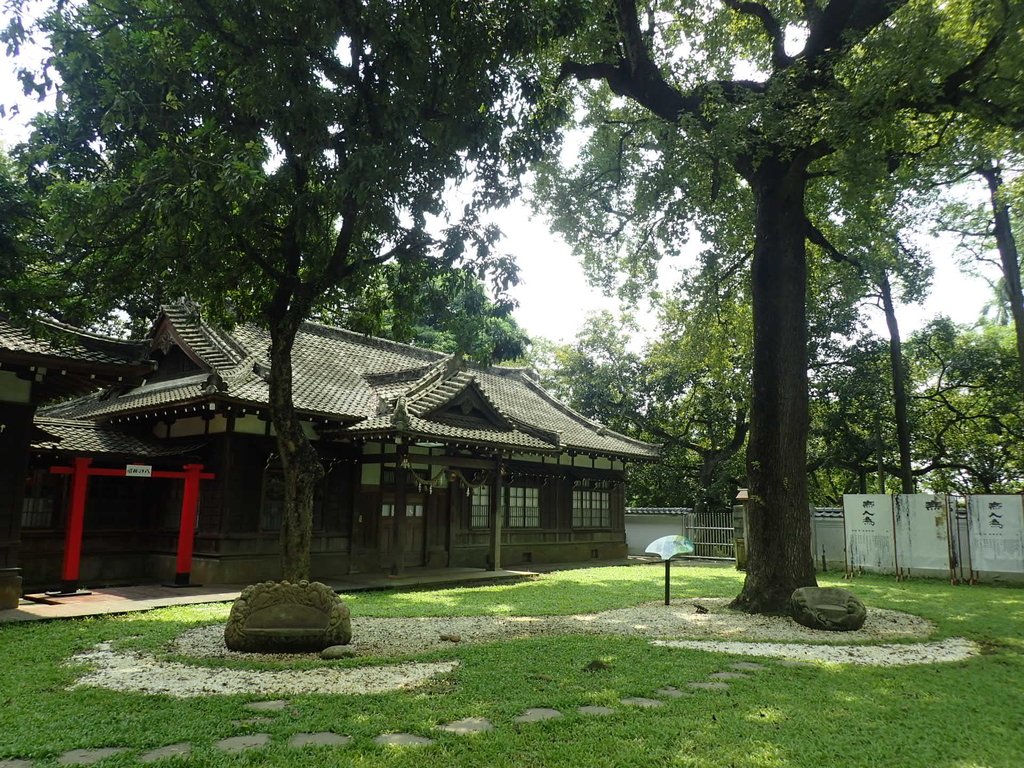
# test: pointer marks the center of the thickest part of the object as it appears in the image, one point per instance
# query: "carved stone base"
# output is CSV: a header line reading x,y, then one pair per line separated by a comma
x,y
281,617
829,608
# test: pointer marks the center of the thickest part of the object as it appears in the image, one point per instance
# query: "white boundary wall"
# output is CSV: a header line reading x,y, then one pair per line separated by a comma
x,y
927,535
869,522
995,526
922,534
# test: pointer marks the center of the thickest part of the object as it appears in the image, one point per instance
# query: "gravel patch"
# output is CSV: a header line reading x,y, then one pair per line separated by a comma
x,y
143,673
715,628
953,649
405,636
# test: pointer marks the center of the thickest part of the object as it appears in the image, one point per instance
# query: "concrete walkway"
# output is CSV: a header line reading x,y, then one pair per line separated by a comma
x,y
114,600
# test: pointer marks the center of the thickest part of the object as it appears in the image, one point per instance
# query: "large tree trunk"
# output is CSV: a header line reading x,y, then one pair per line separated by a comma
x,y
1008,256
899,386
299,461
779,532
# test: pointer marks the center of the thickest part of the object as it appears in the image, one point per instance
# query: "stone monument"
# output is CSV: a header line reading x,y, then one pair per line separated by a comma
x,y
282,617
829,608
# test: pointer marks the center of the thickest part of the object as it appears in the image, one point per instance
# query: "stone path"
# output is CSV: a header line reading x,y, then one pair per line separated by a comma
x,y
270,709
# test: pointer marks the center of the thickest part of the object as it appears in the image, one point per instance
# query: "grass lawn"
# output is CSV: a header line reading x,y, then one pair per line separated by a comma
x,y
967,714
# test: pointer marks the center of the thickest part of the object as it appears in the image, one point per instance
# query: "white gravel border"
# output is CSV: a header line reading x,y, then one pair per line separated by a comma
x,y
142,673
706,624
390,637
953,649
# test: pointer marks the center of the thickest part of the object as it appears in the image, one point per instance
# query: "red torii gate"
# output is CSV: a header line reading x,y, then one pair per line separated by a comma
x,y
80,472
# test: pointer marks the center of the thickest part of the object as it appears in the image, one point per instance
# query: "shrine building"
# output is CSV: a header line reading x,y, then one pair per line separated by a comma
x,y
155,460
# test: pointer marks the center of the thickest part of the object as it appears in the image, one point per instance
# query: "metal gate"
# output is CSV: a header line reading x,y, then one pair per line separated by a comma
x,y
712,534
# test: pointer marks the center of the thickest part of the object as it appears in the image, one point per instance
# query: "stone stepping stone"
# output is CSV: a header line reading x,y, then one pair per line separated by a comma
x,y
16,763
640,701
181,749
275,705
322,739
88,756
671,692
748,666
728,676
596,710
402,740
536,714
713,685
236,744
468,725
796,663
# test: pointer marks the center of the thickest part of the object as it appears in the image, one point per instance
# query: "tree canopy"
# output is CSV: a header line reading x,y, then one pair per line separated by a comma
x,y
266,158
760,124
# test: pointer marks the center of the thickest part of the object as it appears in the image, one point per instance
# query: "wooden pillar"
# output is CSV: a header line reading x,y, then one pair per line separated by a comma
x,y
497,518
75,524
187,526
355,526
454,504
398,524
15,447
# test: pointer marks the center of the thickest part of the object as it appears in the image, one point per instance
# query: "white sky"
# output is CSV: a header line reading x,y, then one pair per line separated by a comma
x,y
554,297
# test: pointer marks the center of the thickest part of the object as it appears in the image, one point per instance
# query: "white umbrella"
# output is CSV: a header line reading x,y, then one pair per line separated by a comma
x,y
666,548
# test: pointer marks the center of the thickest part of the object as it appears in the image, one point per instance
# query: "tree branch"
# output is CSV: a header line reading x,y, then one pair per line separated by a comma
x,y
842,24
780,60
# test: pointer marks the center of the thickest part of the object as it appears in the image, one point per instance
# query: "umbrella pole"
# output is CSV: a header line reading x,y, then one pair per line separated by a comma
x,y
668,563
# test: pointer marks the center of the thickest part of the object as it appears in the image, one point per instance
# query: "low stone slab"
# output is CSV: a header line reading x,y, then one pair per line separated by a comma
x,y
728,676
236,744
274,705
16,763
182,749
795,663
322,739
748,666
335,652
828,608
468,725
282,617
591,709
640,701
402,740
671,692
88,756
714,685
536,714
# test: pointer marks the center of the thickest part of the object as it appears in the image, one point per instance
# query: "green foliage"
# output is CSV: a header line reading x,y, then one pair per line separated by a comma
x,y
448,311
200,148
971,420
600,376
688,390
965,415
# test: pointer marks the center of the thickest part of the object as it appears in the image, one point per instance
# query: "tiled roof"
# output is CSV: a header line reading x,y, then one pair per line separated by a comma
x,y
71,344
675,511
145,398
213,346
417,427
79,436
357,380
